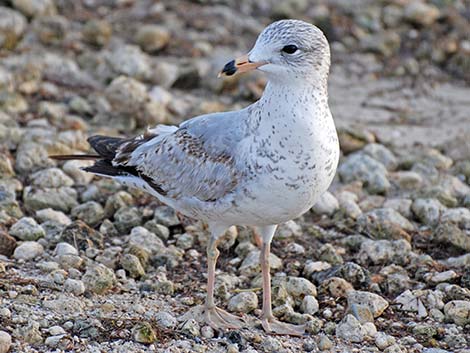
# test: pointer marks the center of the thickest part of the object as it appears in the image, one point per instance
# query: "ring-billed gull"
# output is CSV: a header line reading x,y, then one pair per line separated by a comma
x,y
259,166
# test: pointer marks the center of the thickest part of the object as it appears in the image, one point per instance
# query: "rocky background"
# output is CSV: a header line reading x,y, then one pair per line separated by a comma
x,y
380,264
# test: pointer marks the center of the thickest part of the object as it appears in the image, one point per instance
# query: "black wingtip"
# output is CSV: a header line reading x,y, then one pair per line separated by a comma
x,y
70,157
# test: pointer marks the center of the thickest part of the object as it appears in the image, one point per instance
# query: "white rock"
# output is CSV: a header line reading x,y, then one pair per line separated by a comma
x,y
144,238
28,250
74,286
315,266
65,249
439,277
243,302
350,329
298,287
382,340
5,342
48,214
251,264
327,204
458,311
374,302
72,168
459,216
51,178
56,330
27,229
309,305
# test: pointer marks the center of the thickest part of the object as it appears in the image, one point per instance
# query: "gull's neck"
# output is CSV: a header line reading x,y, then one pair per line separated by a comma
x,y
298,97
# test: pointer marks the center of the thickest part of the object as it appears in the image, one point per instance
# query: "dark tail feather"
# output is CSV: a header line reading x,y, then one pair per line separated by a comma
x,y
68,157
106,146
106,168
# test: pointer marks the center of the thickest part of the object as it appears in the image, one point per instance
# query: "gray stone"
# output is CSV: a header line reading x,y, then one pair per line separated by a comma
x,y
97,32
298,287
28,250
384,251
31,157
51,29
374,302
29,332
81,235
65,249
382,154
427,211
62,199
166,216
34,8
80,177
329,253
243,302
411,301
351,330
99,279
191,328
309,305
165,319
158,229
382,340
407,180
74,286
5,342
149,241
458,311
12,26
51,178
327,204
132,265
144,333
27,229
372,173
90,212
166,73
421,13
127,218
439,277
401,205
250,266
385,223
348,204
271,345
324,343
152,38
48,214
185,241
288,230
450,233
459,216
129,60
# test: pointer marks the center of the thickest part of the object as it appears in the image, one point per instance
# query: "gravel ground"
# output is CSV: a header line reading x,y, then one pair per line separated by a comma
x,y
380,264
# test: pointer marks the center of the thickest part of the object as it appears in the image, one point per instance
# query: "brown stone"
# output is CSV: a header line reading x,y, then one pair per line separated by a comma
x,y
7,243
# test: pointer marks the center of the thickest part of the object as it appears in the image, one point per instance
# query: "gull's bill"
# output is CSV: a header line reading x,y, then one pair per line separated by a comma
x,y
239,65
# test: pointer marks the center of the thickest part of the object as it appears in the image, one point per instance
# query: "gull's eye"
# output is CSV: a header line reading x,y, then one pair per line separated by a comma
x,y
290,49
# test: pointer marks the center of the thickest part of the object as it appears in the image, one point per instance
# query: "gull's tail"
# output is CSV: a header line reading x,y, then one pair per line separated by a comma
x,y
106,148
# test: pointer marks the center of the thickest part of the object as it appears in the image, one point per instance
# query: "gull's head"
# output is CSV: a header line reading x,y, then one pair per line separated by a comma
x,y
286,50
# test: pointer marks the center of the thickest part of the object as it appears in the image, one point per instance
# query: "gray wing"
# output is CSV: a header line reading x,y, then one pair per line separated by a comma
x,y
195,160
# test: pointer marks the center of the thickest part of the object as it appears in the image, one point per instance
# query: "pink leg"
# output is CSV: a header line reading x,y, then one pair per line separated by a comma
x,y
270,324
215,317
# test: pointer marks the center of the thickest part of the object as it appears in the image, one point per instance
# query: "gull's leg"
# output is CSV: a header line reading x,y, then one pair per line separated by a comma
x,y
215,317
257,237
269,322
